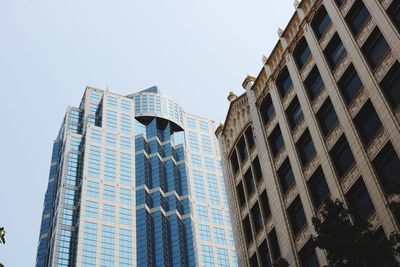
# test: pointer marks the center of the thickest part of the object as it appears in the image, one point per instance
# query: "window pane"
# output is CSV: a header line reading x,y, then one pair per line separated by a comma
x,y
342,156
297,216
242,149
375,48
248,178
394,13
368,123
357,17
284,82
391,84
327,117
256,215
240,193
321,22
305,148
249,137
294,113
308,257
334,51
350,84
359,199
313,83
301,53
286,177
234,162
387,167
257,169
318,187
276,140
267,110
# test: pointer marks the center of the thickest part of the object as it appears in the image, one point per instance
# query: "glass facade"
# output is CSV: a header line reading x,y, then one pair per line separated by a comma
x,y
135,181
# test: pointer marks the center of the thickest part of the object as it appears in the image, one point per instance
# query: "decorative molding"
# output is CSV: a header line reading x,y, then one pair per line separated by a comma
x,y
340,69
290,195
299,130
288,97
358,103
270,224
311,167
302,237
374,220
323,42
307,68
385,3
251,247
244,211
385,66
271,125
377,144
350,178
333,136
260,236
319,100
346,7
280,158
365,32
398,114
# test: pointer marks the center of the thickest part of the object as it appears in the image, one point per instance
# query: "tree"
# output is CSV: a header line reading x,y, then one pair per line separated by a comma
x,y
350,241
2,239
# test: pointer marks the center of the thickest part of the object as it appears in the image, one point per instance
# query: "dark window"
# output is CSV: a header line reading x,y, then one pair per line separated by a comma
x,y
391,84
257,169
248,179
240,193
286,177
327,117
308,257
301,53
242,149
253,260
276,140
387,167
313,83
234,162
256,215
394,13
334,51
284,82
264,252
247,230
357,17
368,123
297,216
375,48
265,204
321,22
359,200
342,156
350,84
267,110
249,138
275,249
305,148
340,2
318,187
294,113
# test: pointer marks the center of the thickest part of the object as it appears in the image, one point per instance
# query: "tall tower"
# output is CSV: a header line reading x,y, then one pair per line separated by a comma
x,y
321,119
135,181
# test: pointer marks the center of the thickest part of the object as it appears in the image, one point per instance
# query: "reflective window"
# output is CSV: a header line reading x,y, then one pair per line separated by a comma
x,y
305,148
247,229
267,110
390,85
359,200
275,249
375,48
294,113
387,167
234,161
318,187
342,156
242,149
250,185
296,215
256,216
321,22
357,17
327,117
284,82
308,257
286,177
257,169
265,204
276,141
313,83
367,123
240,193
301,53
263,250
249,137
394,13
350,84
335,51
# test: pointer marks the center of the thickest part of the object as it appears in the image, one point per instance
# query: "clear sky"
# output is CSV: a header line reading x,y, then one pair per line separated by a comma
x,y
196,51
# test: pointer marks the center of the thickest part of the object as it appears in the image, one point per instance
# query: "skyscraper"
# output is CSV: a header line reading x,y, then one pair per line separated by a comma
x,y
321,119
135,181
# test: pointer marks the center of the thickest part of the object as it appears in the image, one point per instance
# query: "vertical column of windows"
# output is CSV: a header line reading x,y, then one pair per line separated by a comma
x,y
193,142
72,169
125,196
125,216
219,235
111,122
126,123
199,191
107,246
223,258
64,254
108,213
213,189
112,102
217,216
94,161
110,163
125,248
125,169
89,244
206,144
111,139
92,189
91,209
125,143
126,105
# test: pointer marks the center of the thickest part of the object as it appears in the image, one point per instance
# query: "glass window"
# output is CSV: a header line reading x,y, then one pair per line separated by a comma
x,y
357,17
250,185
207,255
294,113
256,215
318,187
242,149
223,258
247,229
205,234
257,169
321,22
284,82
305,148
286,177
267,110
276,141
390,85
253,261
217,216
394,13
359,199
367,123
350,84
296,215
308,257
375,48
234,162
265,258
334,51
340,2
313,83
265,204
240,193
275,249
327,117
387,167
301,53
219,235
342,156
249,137
202,213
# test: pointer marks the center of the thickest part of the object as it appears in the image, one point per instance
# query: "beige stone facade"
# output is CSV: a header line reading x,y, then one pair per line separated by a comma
x,y
333,82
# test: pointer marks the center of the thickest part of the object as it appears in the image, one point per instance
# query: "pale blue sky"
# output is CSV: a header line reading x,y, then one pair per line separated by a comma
x,y
195,51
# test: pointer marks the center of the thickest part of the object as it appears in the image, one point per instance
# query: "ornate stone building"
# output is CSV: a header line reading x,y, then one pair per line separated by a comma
x,y
321,119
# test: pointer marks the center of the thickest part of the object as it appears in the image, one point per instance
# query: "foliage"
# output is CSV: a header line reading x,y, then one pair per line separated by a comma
x,y
350,241
2,239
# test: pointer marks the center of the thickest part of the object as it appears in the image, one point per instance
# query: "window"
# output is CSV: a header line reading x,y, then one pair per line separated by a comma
x,y
257,169
350,84
318,188
357,17
327,117
284,82
296,215
294,113
275,249
394,13
256,215
342,156
286,177
321,22
247,229
242,149
340,2
219,235
367,123
217,216
249,138
387,167
276,141
263,250
375,48
234,162
202,213
390,85
253,260
313,83
301,53
359,199
248,179
308,257
305,148
267,110
265,204
334,51
240,193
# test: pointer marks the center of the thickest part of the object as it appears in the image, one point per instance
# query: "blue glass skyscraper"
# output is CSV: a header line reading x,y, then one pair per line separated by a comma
x,y
135,181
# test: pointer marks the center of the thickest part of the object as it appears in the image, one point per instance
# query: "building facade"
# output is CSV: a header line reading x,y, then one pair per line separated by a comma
x,y
135,181
322,119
